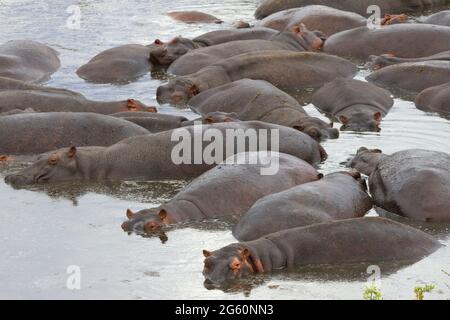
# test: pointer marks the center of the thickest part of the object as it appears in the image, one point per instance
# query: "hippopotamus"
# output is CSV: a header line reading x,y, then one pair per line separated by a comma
x,y
411,183
412,77
165,53
395,39
366,160
226,190
193,17
338,196
33,133
120,65
259,100
151,156
269,7
378,62
240,24
435,99
441,18
353,241
28,61
286,70
18,95
153,122
315,17
358,105
299,40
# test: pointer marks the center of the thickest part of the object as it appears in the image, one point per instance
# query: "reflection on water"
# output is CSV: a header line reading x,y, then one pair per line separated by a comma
x,y
45,229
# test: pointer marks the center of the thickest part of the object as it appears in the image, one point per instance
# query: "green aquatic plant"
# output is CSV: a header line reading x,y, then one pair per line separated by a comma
x,y
420,291
371,292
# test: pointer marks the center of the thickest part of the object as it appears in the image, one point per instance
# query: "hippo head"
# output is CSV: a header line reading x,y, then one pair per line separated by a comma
x,y
316,128
229,263
314,39
56,166
177,92
379,62
218,117
365,160
361,122
135,105
148,221
165,54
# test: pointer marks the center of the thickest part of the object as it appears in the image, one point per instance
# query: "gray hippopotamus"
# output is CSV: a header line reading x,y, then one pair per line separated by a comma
x,y
193,17
411,183
226,190
441,18
338,196
435,99
412,77
154,122
286,70
352,241
366,160
165,53
120,65
299,40
18,95
378,62
358,105
27,60
158,156
259,100
395,39
33,133
269,7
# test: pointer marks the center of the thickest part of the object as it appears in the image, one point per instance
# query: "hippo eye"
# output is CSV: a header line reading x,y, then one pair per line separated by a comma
x,y
53,161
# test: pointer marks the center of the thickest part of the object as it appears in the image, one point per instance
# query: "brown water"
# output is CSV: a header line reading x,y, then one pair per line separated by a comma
x,y
43,230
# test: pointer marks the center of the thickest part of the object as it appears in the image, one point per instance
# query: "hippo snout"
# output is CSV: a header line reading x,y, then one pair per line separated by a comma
x,y
333,133
16,179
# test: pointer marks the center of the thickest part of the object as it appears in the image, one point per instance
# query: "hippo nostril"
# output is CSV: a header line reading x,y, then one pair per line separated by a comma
x,y
125,226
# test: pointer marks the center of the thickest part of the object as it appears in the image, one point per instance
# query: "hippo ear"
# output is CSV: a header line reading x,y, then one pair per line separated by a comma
x,y
314,133
362,149
343,119
245,254
296,29
151,109
130,214
162,214
320,176
206,253
158,42
298,127
355,174
228,119
208,120
132,105
3,158
193,90
376,151
72,152
377,116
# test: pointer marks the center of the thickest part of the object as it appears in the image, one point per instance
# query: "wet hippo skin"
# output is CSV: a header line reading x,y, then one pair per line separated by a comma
x,y
435,99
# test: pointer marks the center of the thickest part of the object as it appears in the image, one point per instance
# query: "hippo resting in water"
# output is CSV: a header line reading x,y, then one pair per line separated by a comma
x,y
28,61
259,100
412,76
337,196
441,18
358,105
299,40
378,62
151,157
411,183
269,7
286,70
32,133
395,39
193,17
226,190
435,99
353,241
17,95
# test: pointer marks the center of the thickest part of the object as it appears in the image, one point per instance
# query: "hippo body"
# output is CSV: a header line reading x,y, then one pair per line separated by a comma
x,y
33,133
120,65
395,39
18,95
337,196
412,77
378,62
150,157
260,100
435,99
315,17
269,7
28,61
286,70
226,190
441,18
153,122
193,17
358,105
368,240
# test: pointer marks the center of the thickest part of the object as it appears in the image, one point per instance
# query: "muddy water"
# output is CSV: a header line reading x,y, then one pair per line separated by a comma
x,y
45,230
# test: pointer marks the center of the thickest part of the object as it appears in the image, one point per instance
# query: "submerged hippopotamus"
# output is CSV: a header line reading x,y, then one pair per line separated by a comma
x,y
358,105
411,183
396,39
259,100
300,39
441,18
158,156
193,17
435,99
28,61
337,196
378,62
226,190
17,95
153,122
412,77
352,241
287,70
366,160
269,7
33,133
120,65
